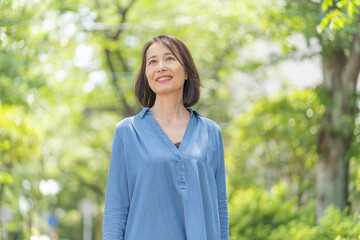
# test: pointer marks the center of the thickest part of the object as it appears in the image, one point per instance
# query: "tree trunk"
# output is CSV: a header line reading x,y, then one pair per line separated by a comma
x,y
336,133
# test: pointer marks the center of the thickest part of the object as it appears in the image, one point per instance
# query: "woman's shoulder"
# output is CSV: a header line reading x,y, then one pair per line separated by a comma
x,y
213,129
124,123
212,125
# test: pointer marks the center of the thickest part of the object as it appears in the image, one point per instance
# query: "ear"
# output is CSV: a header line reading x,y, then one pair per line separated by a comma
x,y
186,76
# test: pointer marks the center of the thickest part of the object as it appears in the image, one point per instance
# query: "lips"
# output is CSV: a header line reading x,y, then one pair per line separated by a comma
x,y
163,78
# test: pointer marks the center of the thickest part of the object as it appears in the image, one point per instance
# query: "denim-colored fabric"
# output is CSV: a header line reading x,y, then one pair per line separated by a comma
x,y
156,191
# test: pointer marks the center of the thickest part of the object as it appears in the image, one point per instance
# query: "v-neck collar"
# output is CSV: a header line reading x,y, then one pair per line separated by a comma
x,y
178,152
145,110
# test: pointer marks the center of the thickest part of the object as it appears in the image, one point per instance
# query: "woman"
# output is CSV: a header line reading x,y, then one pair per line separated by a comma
x,y
167,175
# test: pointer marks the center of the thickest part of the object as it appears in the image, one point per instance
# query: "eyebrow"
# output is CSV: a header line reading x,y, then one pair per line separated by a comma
x,y
168,53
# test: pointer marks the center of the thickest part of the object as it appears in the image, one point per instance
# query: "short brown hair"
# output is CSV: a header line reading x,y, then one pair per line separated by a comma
x,y
191,92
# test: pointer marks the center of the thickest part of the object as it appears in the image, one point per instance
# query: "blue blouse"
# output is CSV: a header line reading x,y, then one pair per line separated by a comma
x,y
156,191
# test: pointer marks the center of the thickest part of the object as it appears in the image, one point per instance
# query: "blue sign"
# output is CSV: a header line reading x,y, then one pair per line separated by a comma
x,y
52,221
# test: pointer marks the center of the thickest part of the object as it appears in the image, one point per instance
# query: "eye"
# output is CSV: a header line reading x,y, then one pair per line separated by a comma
x,y
152,61
170,58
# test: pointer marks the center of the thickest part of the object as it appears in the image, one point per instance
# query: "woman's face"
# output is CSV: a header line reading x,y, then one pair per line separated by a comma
x,y
164,72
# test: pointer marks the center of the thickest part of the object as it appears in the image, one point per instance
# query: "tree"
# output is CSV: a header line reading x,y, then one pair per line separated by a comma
x,y
273,147
341,66
336,26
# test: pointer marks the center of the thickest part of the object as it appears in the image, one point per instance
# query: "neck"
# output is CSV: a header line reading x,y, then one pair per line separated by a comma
x,y
169,108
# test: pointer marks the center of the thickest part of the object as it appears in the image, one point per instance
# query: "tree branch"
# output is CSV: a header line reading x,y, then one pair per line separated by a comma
x,y
94,187
108,59
123,14
128,111
123,63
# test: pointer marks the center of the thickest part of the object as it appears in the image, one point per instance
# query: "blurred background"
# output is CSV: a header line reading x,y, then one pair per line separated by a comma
x,y
280,77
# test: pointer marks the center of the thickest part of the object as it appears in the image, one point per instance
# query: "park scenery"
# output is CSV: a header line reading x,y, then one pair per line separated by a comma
x,y
280,77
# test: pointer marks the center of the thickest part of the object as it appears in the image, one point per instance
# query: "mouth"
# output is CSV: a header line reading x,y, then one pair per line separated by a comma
x,y
163,78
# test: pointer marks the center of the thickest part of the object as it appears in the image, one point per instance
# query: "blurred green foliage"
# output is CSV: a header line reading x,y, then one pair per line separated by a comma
x,y
257,214
274,140
274,144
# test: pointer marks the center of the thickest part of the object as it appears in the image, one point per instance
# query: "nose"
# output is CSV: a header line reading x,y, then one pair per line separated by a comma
x,y
161,66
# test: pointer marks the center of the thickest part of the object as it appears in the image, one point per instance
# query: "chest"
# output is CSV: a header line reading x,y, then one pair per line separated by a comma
x,y
151,157
174,131
147,144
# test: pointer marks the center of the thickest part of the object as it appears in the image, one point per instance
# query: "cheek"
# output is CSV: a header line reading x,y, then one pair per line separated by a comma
x,y
182,71
149,71
147,74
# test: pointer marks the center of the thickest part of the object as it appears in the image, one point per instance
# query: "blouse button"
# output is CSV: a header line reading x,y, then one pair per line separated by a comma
x,y
181,166
181,178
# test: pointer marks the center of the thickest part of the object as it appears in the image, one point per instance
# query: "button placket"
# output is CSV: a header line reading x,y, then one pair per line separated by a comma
x,y
180,166
180,170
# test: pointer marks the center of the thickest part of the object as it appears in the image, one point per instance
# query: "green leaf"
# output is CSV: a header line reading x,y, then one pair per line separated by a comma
x,y
350,9
326,4
324,22
6,178
341,3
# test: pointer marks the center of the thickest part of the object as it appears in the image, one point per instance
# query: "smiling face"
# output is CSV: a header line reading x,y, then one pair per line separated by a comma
x,y
164,72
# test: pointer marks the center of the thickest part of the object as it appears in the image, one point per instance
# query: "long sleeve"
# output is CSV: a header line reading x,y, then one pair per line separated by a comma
x,y
221,192
117,195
